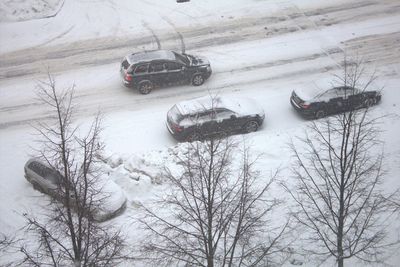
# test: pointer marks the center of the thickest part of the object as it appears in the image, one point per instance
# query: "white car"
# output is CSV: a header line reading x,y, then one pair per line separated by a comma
x,y
47,180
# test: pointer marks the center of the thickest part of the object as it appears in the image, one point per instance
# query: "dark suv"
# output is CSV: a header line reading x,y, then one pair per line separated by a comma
x,y
145,70
202,117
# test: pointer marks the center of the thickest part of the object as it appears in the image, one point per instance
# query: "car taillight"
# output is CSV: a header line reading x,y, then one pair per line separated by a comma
x,y
128,77
305,105
177,128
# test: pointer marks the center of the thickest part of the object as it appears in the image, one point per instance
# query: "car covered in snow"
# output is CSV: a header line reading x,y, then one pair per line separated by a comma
x,y
206,116
317,103
146,70
111,198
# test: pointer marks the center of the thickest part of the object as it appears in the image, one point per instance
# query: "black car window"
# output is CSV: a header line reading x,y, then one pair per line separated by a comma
x,y
125,64
207,115
182,58
329,94
141,68
157,67
45,172
222,114
345,91
174,66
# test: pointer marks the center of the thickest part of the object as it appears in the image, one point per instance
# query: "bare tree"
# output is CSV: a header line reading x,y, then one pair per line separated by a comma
x,y
215,214
8,244
67,234
338,166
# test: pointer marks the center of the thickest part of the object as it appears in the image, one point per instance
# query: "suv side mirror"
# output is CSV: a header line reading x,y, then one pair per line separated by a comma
x,y
233,117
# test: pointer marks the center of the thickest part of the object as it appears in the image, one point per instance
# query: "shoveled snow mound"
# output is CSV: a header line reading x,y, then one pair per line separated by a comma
x,y
19,10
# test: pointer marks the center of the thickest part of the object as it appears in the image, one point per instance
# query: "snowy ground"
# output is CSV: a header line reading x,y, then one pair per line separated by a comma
x,y
259,49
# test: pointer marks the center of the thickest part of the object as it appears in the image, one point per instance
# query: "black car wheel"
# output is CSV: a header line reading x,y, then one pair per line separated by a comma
x,y
320,114
194,136
369,102
145,87
251,126
197,80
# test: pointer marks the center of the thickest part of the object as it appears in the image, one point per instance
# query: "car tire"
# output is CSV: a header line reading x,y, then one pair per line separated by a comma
x,y
194,136
145,87
369,102
251,126
320,114
197,80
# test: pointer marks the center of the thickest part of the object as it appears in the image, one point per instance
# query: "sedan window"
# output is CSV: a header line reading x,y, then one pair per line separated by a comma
x,y
345,91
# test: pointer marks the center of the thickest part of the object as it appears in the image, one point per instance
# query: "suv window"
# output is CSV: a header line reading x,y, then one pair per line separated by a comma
x,y
173,66
223,114
157,67
125,64
141,68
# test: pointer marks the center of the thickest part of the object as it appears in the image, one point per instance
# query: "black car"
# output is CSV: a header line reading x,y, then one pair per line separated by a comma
x,y
207,116
316,103
145,70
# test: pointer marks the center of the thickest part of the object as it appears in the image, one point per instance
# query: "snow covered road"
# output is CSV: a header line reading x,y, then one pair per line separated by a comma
x,y
257,57
258,49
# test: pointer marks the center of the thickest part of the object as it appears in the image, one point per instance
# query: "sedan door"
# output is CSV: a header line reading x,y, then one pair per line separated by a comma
x,y
334,101
356,99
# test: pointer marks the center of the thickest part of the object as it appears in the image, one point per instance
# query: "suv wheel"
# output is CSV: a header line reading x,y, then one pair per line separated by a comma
x,y
251,126
145,87
197,80
320,114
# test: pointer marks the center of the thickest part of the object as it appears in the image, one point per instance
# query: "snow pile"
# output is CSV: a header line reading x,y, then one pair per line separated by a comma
x,y
19,10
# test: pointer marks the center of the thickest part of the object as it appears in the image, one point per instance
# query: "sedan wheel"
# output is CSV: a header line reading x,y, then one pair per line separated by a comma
x,y
251,126
197,80
145,87
369,102
320,114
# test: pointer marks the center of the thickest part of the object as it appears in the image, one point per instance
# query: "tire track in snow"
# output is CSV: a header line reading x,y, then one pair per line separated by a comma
x,y
88,99
144,24
180,37
86,53
58,36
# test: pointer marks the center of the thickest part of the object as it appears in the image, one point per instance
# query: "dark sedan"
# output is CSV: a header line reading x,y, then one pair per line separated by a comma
x,y
316,103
